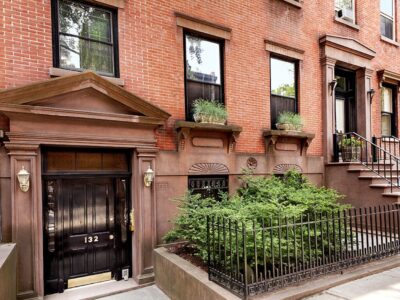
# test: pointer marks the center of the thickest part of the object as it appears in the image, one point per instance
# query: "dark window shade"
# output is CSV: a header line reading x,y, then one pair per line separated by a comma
x,y
280,104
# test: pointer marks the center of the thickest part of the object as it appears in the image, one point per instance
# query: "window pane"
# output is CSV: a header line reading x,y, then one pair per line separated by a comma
x,y
202,60
196,90
386,100
386,125
340,116
387,7
387,27
76,53
283,78
85,21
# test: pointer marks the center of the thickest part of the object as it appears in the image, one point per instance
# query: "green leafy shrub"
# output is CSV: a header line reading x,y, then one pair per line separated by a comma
x,y
350,142
260,199
209,111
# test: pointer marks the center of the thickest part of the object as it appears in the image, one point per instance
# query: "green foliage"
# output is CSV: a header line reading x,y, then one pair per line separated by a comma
x,y
260,199
288,117
286,90
350,142
209,111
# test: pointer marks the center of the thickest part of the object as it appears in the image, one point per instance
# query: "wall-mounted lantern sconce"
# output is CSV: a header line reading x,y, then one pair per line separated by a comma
x,y
333,85
23,179
371,94
148,177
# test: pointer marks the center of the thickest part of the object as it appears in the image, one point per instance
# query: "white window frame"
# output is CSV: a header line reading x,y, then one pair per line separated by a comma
x,y
353,5
392,18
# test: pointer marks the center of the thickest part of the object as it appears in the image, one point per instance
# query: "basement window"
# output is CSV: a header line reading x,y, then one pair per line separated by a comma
x,y
208,186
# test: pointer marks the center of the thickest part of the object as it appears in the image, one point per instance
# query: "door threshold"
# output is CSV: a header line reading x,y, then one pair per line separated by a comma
x,y
96,290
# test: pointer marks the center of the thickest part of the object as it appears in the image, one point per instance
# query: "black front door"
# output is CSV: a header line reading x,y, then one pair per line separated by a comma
x,y
345,101
88,223
86,236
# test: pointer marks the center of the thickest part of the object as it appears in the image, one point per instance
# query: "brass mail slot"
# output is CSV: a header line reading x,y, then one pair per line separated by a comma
x,y
89,279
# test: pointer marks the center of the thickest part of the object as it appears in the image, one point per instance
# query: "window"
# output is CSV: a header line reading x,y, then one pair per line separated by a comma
x,y
208,186
387,19
85,37
203,71
387,110
283,87
345,10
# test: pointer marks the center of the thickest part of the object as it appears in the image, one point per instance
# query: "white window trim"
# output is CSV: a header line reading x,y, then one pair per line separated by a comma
x,y
392,18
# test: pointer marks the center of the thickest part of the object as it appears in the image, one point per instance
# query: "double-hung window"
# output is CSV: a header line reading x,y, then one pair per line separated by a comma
x,y
283,87
85,37
387,19
203,70
388,125
345,9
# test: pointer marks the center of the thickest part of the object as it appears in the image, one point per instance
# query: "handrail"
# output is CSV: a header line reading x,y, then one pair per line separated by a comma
x,y
389,144
378,160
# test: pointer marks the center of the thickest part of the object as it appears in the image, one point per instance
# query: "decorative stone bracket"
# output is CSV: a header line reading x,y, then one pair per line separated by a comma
x,y
272,137
186,129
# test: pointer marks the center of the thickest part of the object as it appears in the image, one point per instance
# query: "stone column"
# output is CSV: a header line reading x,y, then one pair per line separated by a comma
x,y
328,96
145,217
26,210
364,84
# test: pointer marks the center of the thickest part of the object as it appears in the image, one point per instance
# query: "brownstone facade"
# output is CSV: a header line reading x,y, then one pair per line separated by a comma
x,y
142,110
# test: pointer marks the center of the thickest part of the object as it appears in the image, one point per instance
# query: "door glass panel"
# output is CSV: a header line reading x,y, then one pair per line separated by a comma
x,y
340,115
386,125
387,100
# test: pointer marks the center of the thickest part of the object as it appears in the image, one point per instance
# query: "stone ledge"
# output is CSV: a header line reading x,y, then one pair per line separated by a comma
x,y
272,137
347,23
295,3
185,129
58,72
389,41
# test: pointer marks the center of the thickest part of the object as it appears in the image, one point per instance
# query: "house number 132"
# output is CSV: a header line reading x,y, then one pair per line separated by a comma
x,y
91,239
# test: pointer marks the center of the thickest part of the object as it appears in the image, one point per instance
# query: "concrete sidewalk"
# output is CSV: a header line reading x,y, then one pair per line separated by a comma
x,y
147,293
385,286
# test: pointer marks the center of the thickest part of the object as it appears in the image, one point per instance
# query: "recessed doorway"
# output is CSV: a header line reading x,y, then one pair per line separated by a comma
x,y
86,237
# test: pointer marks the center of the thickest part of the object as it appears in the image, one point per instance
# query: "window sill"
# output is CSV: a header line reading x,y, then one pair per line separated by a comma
x,y
347,23
278,139
389,41
58,72
295,3
186,129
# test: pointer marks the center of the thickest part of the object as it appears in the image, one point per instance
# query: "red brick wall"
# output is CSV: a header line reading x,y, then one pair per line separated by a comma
x,y
151,54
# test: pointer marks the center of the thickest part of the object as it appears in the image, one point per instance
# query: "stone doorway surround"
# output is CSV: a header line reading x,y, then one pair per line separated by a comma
x,y
353,55
82,110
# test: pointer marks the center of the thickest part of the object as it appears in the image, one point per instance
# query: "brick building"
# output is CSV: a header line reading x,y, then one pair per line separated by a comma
x,y
87,139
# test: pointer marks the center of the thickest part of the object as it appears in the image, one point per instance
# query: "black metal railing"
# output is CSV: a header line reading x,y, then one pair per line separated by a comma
x,y
352,147
258,256
389,143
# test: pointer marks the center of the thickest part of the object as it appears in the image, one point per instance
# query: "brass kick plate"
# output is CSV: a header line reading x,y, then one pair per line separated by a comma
x,y
89,279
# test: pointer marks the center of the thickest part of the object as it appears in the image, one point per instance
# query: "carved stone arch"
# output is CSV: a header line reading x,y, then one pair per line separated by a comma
x,y
208,168
283,168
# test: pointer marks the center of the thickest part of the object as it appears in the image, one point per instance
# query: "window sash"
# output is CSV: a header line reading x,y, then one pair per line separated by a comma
x,y
112,31
202,89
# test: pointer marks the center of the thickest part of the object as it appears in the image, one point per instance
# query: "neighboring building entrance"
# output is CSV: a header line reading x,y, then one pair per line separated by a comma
x,y
345,103
86,217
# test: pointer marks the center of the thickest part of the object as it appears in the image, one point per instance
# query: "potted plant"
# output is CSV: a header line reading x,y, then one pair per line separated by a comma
x,y
209,111
289,121
350,148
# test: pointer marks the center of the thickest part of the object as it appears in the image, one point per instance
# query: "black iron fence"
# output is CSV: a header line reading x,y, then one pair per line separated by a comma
x,y
352,147
250,258
390,144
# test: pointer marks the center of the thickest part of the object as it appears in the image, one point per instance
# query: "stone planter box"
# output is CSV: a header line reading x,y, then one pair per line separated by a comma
x,y
180,280
8,277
